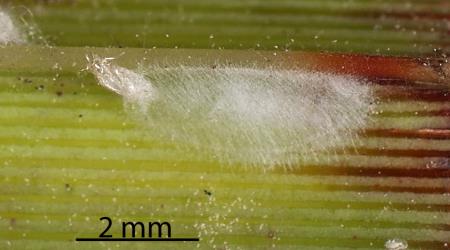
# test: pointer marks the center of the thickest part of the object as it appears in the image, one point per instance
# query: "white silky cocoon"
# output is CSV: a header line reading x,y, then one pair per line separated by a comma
x,y
242,115
9,32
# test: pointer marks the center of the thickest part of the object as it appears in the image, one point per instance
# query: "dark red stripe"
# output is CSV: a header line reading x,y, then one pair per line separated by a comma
x,y
375,205
406,93
394,82
438,170
429,245
396,152
419,14
437,134
408,84
442,112
444,189
370,67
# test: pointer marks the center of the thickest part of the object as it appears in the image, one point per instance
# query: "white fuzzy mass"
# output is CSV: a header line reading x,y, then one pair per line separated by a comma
x,y
9,32
243,115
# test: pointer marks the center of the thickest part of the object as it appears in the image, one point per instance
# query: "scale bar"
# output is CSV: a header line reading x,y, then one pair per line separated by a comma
x,y
137,239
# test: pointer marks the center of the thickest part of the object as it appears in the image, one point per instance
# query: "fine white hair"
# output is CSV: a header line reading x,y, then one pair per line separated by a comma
x,y
243,115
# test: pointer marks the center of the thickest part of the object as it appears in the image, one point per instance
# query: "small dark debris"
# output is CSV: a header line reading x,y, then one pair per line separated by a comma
x,y
80,115
59,93
68,187
271,234
40,87
214,66
75,93
207,192
26,80
12,222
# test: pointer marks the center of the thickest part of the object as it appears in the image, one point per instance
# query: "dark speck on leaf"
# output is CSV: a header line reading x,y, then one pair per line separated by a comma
x,y
75,93
12,222
59,93
80,115
207,192
40,87
68,187
26,80
271,234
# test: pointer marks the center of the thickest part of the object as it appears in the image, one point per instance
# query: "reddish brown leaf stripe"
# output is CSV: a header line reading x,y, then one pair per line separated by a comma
x,y
429,245
363,205
386,82
402,93
416,14
443,112
374,67
378,171
396,152
392,189
436,134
